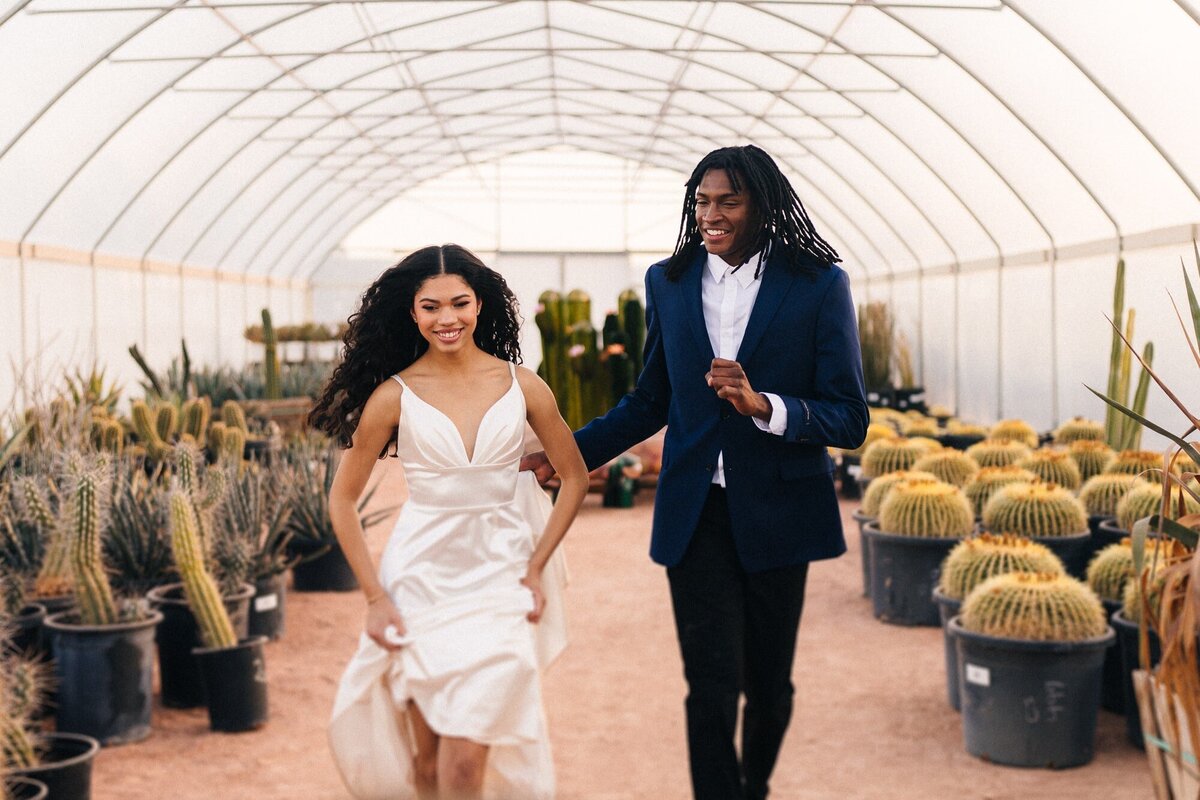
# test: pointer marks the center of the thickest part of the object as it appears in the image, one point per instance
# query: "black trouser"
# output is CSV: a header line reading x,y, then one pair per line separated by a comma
x,y
737,633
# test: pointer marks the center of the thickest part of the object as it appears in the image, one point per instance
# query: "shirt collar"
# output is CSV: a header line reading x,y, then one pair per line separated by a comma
x,y
745,276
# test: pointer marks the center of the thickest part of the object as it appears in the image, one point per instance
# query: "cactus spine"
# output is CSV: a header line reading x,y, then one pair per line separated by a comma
x,y
272,390
950,466
1078,429
1036,510
54,575
1091,457
927,509
879,488
975,559
1146,464
1111,568
1053,466
1101,493
1034,606
83,520
894,453
1014,430
199,588
998,452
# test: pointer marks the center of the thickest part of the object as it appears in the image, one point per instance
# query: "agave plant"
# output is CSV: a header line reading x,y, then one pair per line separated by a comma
x,y
256,512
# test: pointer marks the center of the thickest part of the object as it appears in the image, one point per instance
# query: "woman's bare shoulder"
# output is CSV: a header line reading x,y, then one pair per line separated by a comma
x,y
385,400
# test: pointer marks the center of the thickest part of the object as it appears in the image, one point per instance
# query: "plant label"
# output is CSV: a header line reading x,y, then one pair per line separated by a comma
x,y
854,470
980,676
268,602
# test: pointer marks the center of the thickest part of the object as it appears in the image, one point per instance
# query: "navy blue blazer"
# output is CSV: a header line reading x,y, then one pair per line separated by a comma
x,y
801,343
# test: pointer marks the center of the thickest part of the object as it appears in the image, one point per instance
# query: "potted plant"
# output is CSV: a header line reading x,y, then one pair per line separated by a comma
x,y
993,452
990,480
961,435
1078,429
1046,513
850,461
1014,430
1053,466
1100,495
1031,653
1091,457
970,563
873,499
919,522
949,466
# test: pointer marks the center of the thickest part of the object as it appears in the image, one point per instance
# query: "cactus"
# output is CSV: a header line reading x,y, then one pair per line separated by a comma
x,y
1101,493
1091,457
216,438
112,437
949,466
271,390
166,420
1111,568
875,431
1142,501
233,416
553,369
1146,464
998,452
195,418
54,575
927,509
1053,466
145,429
1014,430
578,307
920,427
878,489
632,317
17,749
1035,510
83,521
894,453
1160,554
204,600
975,559
1078,429
233,446
1034,606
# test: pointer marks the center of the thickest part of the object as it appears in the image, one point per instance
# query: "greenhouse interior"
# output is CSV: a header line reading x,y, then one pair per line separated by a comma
x,y
966,396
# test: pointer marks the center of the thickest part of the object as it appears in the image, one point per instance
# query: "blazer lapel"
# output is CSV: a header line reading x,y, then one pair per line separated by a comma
x,y
693,304
776,283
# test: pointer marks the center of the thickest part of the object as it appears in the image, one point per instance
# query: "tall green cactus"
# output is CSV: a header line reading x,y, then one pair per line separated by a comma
x,y
633,321
146,430
272,390
1034,606
83,523
553,369
203,597
166,420
54,576
578,307
196,414
233,416
926,509
1123,432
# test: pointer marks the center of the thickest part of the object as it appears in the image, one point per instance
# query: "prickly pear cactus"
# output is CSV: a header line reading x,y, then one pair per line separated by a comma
x,y
1053,466
1142,501
1091,457
950,466
1146,464
1036,510
927,509
977,558
893,453
998,452
1034,606
989,480
877,491
1014,430
1078,429
1101,493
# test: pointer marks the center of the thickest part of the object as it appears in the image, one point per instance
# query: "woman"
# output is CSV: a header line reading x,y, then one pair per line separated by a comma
x,y
444,690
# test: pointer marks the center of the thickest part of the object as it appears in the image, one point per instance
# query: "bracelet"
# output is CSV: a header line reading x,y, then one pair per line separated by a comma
x,y
379,596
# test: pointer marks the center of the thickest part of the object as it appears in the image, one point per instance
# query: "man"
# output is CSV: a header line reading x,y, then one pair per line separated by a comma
x,y
752,362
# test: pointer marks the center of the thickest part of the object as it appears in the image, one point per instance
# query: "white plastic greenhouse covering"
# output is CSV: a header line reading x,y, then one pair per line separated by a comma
x,y
168,168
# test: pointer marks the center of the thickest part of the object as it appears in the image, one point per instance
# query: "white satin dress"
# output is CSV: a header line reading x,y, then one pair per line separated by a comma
x,y
471,658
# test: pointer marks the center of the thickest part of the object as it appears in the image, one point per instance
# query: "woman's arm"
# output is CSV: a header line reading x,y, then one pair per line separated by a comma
x,y
564,455
378,420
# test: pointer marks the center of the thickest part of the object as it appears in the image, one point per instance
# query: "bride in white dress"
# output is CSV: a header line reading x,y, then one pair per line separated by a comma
x,y
443,697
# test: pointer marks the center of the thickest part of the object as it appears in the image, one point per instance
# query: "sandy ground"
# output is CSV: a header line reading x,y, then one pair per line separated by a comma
x,y
871,717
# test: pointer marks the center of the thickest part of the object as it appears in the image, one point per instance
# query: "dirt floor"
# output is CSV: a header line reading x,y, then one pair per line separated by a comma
x,y
871,716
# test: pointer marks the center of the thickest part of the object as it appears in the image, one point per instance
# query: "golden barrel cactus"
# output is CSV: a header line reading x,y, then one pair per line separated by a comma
x,y
1014,430
927,509
974,560
1034,606
1101,493
1036,510
877,491
1053,466
1091,457
998,452
1078,429
989,480
894,453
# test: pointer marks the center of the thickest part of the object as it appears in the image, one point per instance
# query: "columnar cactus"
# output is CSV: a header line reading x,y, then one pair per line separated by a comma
x,y
144,427
1101,493
1036,510
977,558
1145,500
195,418
1091,457
17,749
633,321
54,575
1053,466
998,452
272,389
216,438
166,420
989,480
1078,429
233,416
83,523
950,466
1144,463
1034,606
203,597
877,491
893,453
927,509
550,322
1014,430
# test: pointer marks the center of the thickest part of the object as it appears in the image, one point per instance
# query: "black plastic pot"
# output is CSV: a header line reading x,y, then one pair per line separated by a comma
x,y
904,570
1112,695
1107,532
958,441
177,635
235,685
1074,551
104,675
27,789
1127,644
66,767
849,468
862,519
267,607
264,451
947,610
27,624
1026,703
328,572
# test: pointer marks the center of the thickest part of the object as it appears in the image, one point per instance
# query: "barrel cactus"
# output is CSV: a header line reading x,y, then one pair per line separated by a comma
x,y
1145,463
1078,429
1036,510
1111,568
949,466
923,426
1034,606
960,428
1101,493
989,480
1014,430
894,453
877,491
1091,457
875,432
975,559
1142,501
998,452
1166,553
1053,466
927,509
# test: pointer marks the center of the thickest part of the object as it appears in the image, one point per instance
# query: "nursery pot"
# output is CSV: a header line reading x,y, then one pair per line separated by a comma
x,y
1028,703
235,685
177,635
1106,532
1112,695
27,624
1075,550
27,789
104,675
862,519
66,767
948,609
267,606
1127,644
904,570
958,441
328,572
849,468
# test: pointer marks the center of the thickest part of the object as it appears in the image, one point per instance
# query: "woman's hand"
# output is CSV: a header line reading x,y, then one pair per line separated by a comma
x,y
533,582
382,614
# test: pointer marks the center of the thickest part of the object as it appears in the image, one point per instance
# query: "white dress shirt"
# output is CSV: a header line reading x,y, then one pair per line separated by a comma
x,y
727,298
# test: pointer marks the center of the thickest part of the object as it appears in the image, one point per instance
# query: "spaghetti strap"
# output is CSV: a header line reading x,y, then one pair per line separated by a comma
x,y
400,381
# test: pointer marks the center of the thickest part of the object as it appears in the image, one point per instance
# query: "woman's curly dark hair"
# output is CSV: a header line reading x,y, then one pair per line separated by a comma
x,y
382,337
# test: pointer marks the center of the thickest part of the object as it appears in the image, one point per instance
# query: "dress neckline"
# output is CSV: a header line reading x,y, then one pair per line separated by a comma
x,y
470,456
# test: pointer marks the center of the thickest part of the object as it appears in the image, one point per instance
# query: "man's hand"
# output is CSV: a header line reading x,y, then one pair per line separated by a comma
x,y
543,470
730,381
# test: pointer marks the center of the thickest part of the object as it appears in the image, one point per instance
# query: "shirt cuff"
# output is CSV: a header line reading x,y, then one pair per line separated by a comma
x,y
778,423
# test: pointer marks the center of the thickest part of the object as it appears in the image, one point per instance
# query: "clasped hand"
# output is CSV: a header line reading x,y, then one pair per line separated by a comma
x,y
730,381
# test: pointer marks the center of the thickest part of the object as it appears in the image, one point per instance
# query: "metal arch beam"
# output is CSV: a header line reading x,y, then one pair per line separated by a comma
x,y
1112,98
12,12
